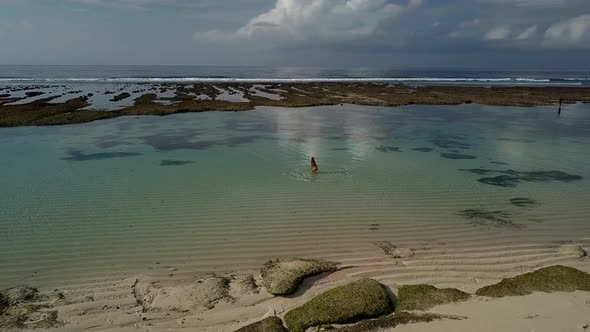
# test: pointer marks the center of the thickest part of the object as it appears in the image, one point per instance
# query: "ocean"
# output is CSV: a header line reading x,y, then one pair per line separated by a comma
x,y
139,74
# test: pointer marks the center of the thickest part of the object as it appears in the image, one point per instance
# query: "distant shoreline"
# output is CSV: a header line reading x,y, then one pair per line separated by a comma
x,y
60,104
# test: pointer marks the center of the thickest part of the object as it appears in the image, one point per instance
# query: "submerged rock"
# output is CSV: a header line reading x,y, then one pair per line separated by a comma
x,y
270,324
351,303
424,297
555,278
395,252
33,93
572,250
423,149
121,96
282,277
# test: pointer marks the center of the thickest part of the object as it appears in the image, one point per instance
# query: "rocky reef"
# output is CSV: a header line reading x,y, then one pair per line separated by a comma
x,y
187,98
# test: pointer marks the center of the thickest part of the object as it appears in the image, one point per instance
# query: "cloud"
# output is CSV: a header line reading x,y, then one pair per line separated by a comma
x,y
465,28
320,19
574,31
528,33
529,3
497,33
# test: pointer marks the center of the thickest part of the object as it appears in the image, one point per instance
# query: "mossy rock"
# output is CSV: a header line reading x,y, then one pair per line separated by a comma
x,y
282,277
20,294
270,324
351,303
391,321
23,307
424,297
556,278
3,303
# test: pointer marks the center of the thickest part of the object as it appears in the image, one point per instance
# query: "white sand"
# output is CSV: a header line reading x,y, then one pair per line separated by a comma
x,y
169,303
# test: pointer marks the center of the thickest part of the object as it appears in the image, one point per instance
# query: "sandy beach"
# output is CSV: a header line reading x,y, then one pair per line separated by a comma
x,y
166,300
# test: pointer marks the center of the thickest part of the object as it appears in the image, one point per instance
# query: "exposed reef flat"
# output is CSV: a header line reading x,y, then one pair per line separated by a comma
x,y
17,110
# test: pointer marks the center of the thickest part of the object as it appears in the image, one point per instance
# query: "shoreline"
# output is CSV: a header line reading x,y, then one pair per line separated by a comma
x,y
173,300
35,105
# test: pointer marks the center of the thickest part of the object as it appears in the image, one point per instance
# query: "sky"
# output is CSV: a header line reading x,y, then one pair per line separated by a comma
x,y
494,34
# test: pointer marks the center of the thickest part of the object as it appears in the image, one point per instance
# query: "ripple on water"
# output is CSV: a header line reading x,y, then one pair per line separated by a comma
x,y
321,176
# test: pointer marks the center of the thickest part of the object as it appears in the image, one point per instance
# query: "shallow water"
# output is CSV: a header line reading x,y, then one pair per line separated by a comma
x,y
224,191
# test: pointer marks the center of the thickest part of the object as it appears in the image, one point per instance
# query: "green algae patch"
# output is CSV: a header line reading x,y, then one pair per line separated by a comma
x,y
424,297
556,278
282,277
391,321
270,324
363,299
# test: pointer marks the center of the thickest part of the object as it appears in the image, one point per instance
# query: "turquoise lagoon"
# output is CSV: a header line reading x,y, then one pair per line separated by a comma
x,y
217,191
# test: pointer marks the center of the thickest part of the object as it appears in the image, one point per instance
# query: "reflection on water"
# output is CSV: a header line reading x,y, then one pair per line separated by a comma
x,y
214,189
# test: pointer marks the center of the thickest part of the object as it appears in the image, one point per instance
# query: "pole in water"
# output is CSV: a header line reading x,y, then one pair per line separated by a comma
x,y
314,166
559,110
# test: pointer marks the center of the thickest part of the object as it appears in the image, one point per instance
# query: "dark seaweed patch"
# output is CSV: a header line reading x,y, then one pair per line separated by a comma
x,y
383,148
523,202
77,155
495,218
423,149
450,142
498,163
111,144
175,162
501,181
511,178
175,142
457,156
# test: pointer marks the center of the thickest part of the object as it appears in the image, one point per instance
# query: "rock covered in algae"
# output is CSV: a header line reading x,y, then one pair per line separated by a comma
x,y
423,297
22,308
391,321
555,278
282,277
270,324
350,303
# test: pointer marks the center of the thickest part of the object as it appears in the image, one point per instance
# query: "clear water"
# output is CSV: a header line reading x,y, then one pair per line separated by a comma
x,y
224,191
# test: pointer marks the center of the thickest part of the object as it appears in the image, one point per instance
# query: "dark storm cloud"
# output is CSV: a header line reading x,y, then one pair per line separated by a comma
x,y
298,32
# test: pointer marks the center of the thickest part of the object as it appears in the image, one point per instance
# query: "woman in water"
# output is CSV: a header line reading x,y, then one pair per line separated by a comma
x,y
314,166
